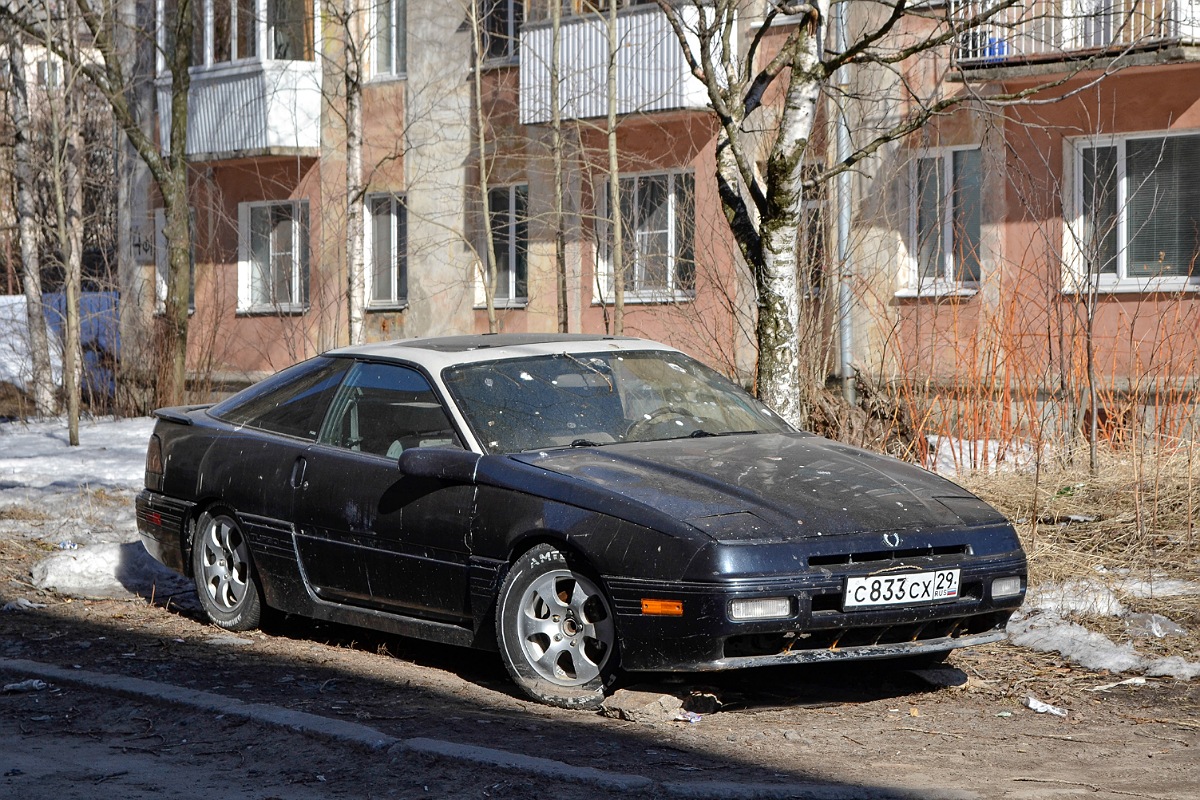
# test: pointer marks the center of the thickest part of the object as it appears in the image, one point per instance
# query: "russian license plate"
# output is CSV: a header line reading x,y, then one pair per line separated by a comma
x,y
911,588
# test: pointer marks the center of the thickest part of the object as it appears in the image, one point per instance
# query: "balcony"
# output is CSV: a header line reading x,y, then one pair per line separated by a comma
x,y
652,74
246,109
1048,31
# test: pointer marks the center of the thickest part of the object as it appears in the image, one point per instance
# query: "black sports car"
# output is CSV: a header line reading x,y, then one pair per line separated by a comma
x,y
578,503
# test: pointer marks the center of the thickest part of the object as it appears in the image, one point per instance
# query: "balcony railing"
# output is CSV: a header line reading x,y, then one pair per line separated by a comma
x,y
251,108
652,74
1050,30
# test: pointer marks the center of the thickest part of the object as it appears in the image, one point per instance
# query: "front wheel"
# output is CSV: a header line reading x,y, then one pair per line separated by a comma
x,y
223,573
555,631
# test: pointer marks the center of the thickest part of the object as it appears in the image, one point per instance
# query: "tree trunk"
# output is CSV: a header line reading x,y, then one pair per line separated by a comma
x,y
355,283
66,179
172,387
489,255
41,388
136,365
616,253
556,147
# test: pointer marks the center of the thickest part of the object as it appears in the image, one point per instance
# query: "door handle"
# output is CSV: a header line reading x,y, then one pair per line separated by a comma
x,y
298,472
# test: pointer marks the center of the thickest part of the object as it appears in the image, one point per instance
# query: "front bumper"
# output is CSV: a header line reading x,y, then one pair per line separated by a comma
x,y
705,638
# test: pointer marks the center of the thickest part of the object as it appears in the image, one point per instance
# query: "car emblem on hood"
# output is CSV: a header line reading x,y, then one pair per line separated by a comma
x,y
891,540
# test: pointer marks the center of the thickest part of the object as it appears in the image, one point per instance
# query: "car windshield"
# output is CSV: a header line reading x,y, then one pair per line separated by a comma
x,y
593,399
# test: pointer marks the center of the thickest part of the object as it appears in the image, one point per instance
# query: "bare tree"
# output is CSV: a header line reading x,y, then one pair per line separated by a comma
x,y
166,161
616,251
353,58
66,189
556,149
765,89
42,379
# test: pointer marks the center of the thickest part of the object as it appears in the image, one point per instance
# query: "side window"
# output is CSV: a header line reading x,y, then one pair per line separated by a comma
x,y
292,402
386,409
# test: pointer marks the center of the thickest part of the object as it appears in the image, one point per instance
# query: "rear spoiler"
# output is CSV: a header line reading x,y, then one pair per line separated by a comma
x,y
178,414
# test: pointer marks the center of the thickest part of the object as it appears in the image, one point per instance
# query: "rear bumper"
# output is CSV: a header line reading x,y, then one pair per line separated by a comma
x,y
705,638
160,522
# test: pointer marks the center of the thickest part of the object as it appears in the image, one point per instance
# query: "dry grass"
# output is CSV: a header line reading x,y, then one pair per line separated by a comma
x,y
1136,518
23,513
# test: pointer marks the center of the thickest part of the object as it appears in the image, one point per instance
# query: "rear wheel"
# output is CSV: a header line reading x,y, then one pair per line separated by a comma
x,y
224,574
555,630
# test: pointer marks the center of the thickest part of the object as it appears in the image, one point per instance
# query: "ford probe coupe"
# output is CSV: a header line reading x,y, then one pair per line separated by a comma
x,y
578,503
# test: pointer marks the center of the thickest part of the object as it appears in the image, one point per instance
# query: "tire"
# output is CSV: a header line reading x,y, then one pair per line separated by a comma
x,y
224,574
555,631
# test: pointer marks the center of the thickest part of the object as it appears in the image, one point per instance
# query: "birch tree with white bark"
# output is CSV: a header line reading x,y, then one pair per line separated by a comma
x,y
766,74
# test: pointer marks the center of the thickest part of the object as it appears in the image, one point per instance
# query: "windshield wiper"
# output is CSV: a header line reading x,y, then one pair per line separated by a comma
x,y
700,433
585,443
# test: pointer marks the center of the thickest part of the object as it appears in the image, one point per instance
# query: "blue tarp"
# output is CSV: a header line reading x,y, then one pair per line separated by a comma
x,y
99,328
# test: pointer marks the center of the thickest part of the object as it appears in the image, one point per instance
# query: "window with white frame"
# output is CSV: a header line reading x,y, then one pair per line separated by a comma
x,y
510,238
273,262
388,256
658,220
48,70
1137,211
946,199
391,38
224,31
501,21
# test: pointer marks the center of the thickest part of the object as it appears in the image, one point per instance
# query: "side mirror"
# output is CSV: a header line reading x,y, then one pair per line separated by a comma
x,y
440,463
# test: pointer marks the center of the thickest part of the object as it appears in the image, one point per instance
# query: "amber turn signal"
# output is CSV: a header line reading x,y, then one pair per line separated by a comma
x,y
662,608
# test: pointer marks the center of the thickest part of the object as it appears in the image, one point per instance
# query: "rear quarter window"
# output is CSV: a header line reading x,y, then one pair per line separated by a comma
x,y
291,402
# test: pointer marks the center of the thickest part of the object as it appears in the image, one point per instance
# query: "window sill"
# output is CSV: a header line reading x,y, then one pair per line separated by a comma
x,y
518,305
241,66
1143,286
376,308
935,291
387,77
501,62
659,298
272,311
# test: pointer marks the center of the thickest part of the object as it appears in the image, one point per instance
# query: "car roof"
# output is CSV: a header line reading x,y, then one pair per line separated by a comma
x,y
440,352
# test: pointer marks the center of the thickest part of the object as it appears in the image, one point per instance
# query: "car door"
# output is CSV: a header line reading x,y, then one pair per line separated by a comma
x,y
366,534
254,467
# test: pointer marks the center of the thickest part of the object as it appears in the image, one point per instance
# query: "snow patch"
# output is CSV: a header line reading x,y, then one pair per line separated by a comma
x,y
108,570
16,365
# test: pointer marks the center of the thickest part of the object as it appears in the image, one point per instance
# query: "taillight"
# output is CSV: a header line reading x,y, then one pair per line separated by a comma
x,y
154,464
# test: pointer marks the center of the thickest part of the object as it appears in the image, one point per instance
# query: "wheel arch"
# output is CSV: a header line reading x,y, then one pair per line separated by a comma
x,y
191,524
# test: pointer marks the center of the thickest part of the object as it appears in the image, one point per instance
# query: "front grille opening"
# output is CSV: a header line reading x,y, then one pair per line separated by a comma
x,y
840,559
827,602
767,644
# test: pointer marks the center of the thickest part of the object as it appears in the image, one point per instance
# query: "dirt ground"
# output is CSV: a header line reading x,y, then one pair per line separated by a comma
x,y
859,728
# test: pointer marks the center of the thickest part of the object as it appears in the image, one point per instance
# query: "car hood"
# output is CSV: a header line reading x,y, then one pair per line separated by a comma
x,y
770,487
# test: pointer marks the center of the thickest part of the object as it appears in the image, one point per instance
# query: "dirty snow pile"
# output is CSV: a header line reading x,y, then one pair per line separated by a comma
x,y
1041,624
79,501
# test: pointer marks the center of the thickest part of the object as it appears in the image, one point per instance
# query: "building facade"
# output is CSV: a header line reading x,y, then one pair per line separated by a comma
x,y
1026,247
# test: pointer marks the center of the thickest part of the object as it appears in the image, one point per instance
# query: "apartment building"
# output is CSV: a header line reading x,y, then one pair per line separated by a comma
x,y
1005,244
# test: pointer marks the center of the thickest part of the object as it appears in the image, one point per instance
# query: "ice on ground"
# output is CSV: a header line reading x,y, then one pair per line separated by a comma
x,y
1041,623
1086,597
1048,633
108,570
